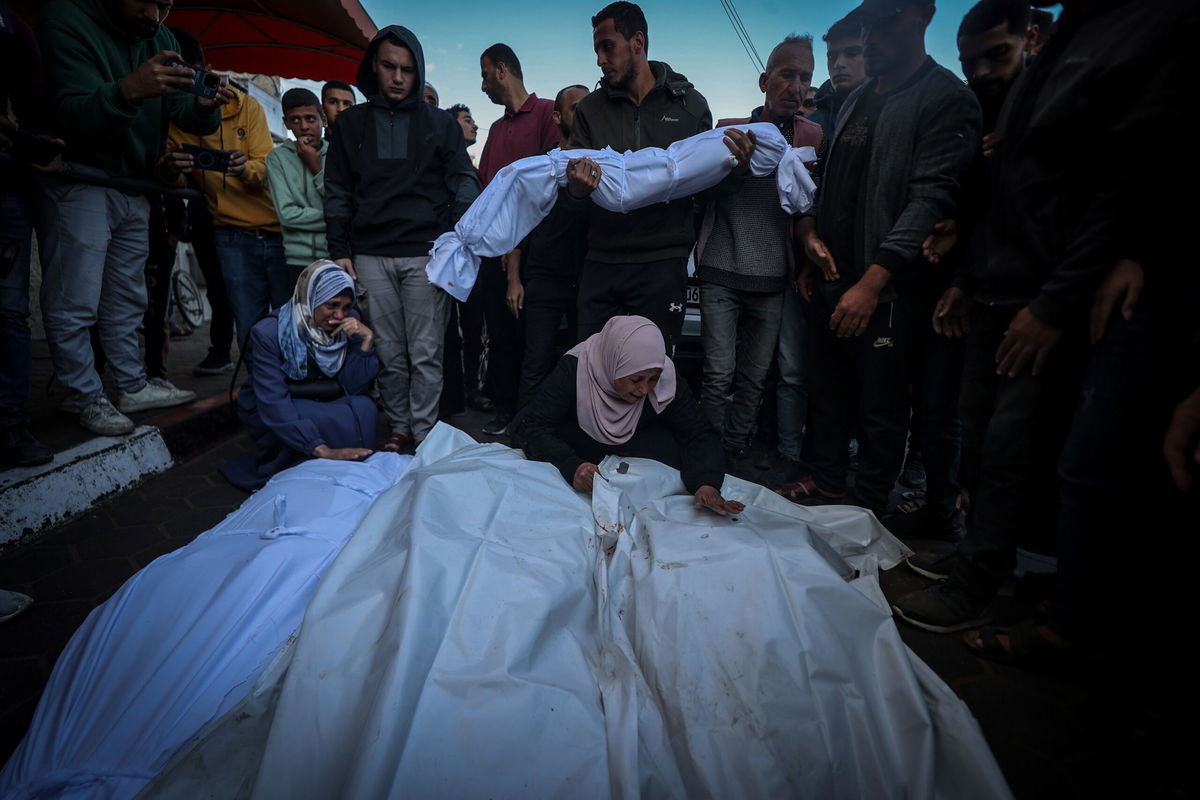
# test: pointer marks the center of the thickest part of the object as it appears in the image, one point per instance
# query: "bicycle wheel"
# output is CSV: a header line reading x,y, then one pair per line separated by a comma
x,y
187,298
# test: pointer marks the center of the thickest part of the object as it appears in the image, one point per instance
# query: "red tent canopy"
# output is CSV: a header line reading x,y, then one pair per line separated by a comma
x,y
316,39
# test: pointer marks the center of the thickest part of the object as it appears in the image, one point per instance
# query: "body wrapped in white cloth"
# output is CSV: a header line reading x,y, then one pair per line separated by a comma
x,y
522,194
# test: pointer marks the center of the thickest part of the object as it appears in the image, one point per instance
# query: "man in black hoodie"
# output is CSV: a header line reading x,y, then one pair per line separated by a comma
x,y
637,262
398,176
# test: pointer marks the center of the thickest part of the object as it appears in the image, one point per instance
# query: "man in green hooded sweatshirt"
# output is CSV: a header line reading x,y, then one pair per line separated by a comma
x,y
116,81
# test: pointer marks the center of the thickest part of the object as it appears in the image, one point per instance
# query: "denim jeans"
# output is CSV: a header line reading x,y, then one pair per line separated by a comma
x,y
15,228
792,393
740,330
255,272
93,243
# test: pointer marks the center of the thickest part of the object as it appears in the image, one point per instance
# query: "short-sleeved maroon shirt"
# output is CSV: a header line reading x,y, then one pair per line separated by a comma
x,y
529,132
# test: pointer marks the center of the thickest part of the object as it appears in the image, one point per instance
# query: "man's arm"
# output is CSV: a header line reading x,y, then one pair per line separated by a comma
x,y
945,143
339,194
92,109
293,210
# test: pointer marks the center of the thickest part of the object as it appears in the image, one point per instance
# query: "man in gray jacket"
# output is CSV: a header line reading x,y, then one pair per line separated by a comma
x,y
900,145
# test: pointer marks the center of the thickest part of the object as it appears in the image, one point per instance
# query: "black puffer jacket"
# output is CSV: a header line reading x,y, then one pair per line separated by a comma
x,y
397,175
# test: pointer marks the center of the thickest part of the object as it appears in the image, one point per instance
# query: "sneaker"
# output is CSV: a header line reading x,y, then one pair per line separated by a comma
x,y
213,364
20,449
12,604
498,425
102,419
935,566
157,393
163,383
942,608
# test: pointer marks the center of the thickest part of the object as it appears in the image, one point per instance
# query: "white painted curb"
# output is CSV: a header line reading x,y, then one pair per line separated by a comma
x,y
33,499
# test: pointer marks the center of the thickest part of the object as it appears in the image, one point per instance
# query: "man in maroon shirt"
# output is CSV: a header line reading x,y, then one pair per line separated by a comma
x,y
526,129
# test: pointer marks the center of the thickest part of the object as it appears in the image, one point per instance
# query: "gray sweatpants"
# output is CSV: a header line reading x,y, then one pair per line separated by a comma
x,y
93,242
408,315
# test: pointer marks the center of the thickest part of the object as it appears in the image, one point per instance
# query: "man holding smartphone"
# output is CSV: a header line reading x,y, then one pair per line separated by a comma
x,y
95,239
230,166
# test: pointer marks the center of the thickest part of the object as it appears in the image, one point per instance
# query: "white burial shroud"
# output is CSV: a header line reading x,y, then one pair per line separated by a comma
x,y
524,192
490,633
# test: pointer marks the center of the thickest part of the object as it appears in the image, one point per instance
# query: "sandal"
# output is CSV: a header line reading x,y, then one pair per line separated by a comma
x,y
794,490
1027,647
396,443
806,493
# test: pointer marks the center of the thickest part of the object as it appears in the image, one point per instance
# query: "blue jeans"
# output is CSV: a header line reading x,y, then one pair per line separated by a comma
x,y
739,333
255,272
792,393
15,228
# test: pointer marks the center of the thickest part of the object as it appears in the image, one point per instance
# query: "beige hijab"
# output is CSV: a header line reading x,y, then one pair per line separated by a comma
x,y
625,345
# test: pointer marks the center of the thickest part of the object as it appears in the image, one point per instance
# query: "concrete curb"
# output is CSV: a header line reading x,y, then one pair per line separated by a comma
x,y
35,499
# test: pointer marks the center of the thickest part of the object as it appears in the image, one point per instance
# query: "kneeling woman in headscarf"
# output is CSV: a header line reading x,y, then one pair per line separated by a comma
x,y
616,393
310,365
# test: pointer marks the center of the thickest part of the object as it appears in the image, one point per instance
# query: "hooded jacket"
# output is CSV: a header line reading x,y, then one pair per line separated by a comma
x,y
86,54
299,198
607,117
238,202
397,175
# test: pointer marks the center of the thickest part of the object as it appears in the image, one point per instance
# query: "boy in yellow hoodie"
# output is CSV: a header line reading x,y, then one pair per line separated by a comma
x,y
246,230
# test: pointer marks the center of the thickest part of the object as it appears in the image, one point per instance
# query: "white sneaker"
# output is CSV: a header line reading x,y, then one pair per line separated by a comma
x,y
103,420
157,393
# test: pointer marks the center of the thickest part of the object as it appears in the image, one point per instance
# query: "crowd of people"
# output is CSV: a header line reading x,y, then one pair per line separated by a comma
x,y
989,299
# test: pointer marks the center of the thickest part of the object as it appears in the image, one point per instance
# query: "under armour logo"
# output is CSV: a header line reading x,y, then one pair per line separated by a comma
x,y
677,306
883,341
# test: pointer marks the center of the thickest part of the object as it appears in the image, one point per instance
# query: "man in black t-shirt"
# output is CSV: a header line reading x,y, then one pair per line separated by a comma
x,y
900,144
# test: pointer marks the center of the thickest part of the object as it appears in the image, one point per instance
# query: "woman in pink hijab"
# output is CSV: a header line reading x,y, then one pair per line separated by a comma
x,y
617,393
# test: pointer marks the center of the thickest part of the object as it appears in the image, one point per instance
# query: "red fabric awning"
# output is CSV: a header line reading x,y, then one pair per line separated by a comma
x,y
315,39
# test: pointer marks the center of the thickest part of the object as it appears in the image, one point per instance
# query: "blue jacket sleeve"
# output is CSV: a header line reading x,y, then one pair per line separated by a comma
x,y
273,403
359,369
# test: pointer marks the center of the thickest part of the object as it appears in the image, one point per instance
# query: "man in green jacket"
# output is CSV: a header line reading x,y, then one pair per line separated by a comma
x,y
296,174
116,81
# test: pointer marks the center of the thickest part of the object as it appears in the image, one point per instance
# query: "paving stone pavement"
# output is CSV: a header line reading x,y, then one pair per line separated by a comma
x,y
1053,736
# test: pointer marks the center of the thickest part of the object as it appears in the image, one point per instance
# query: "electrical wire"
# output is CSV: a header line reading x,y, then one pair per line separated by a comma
x,y
739,30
